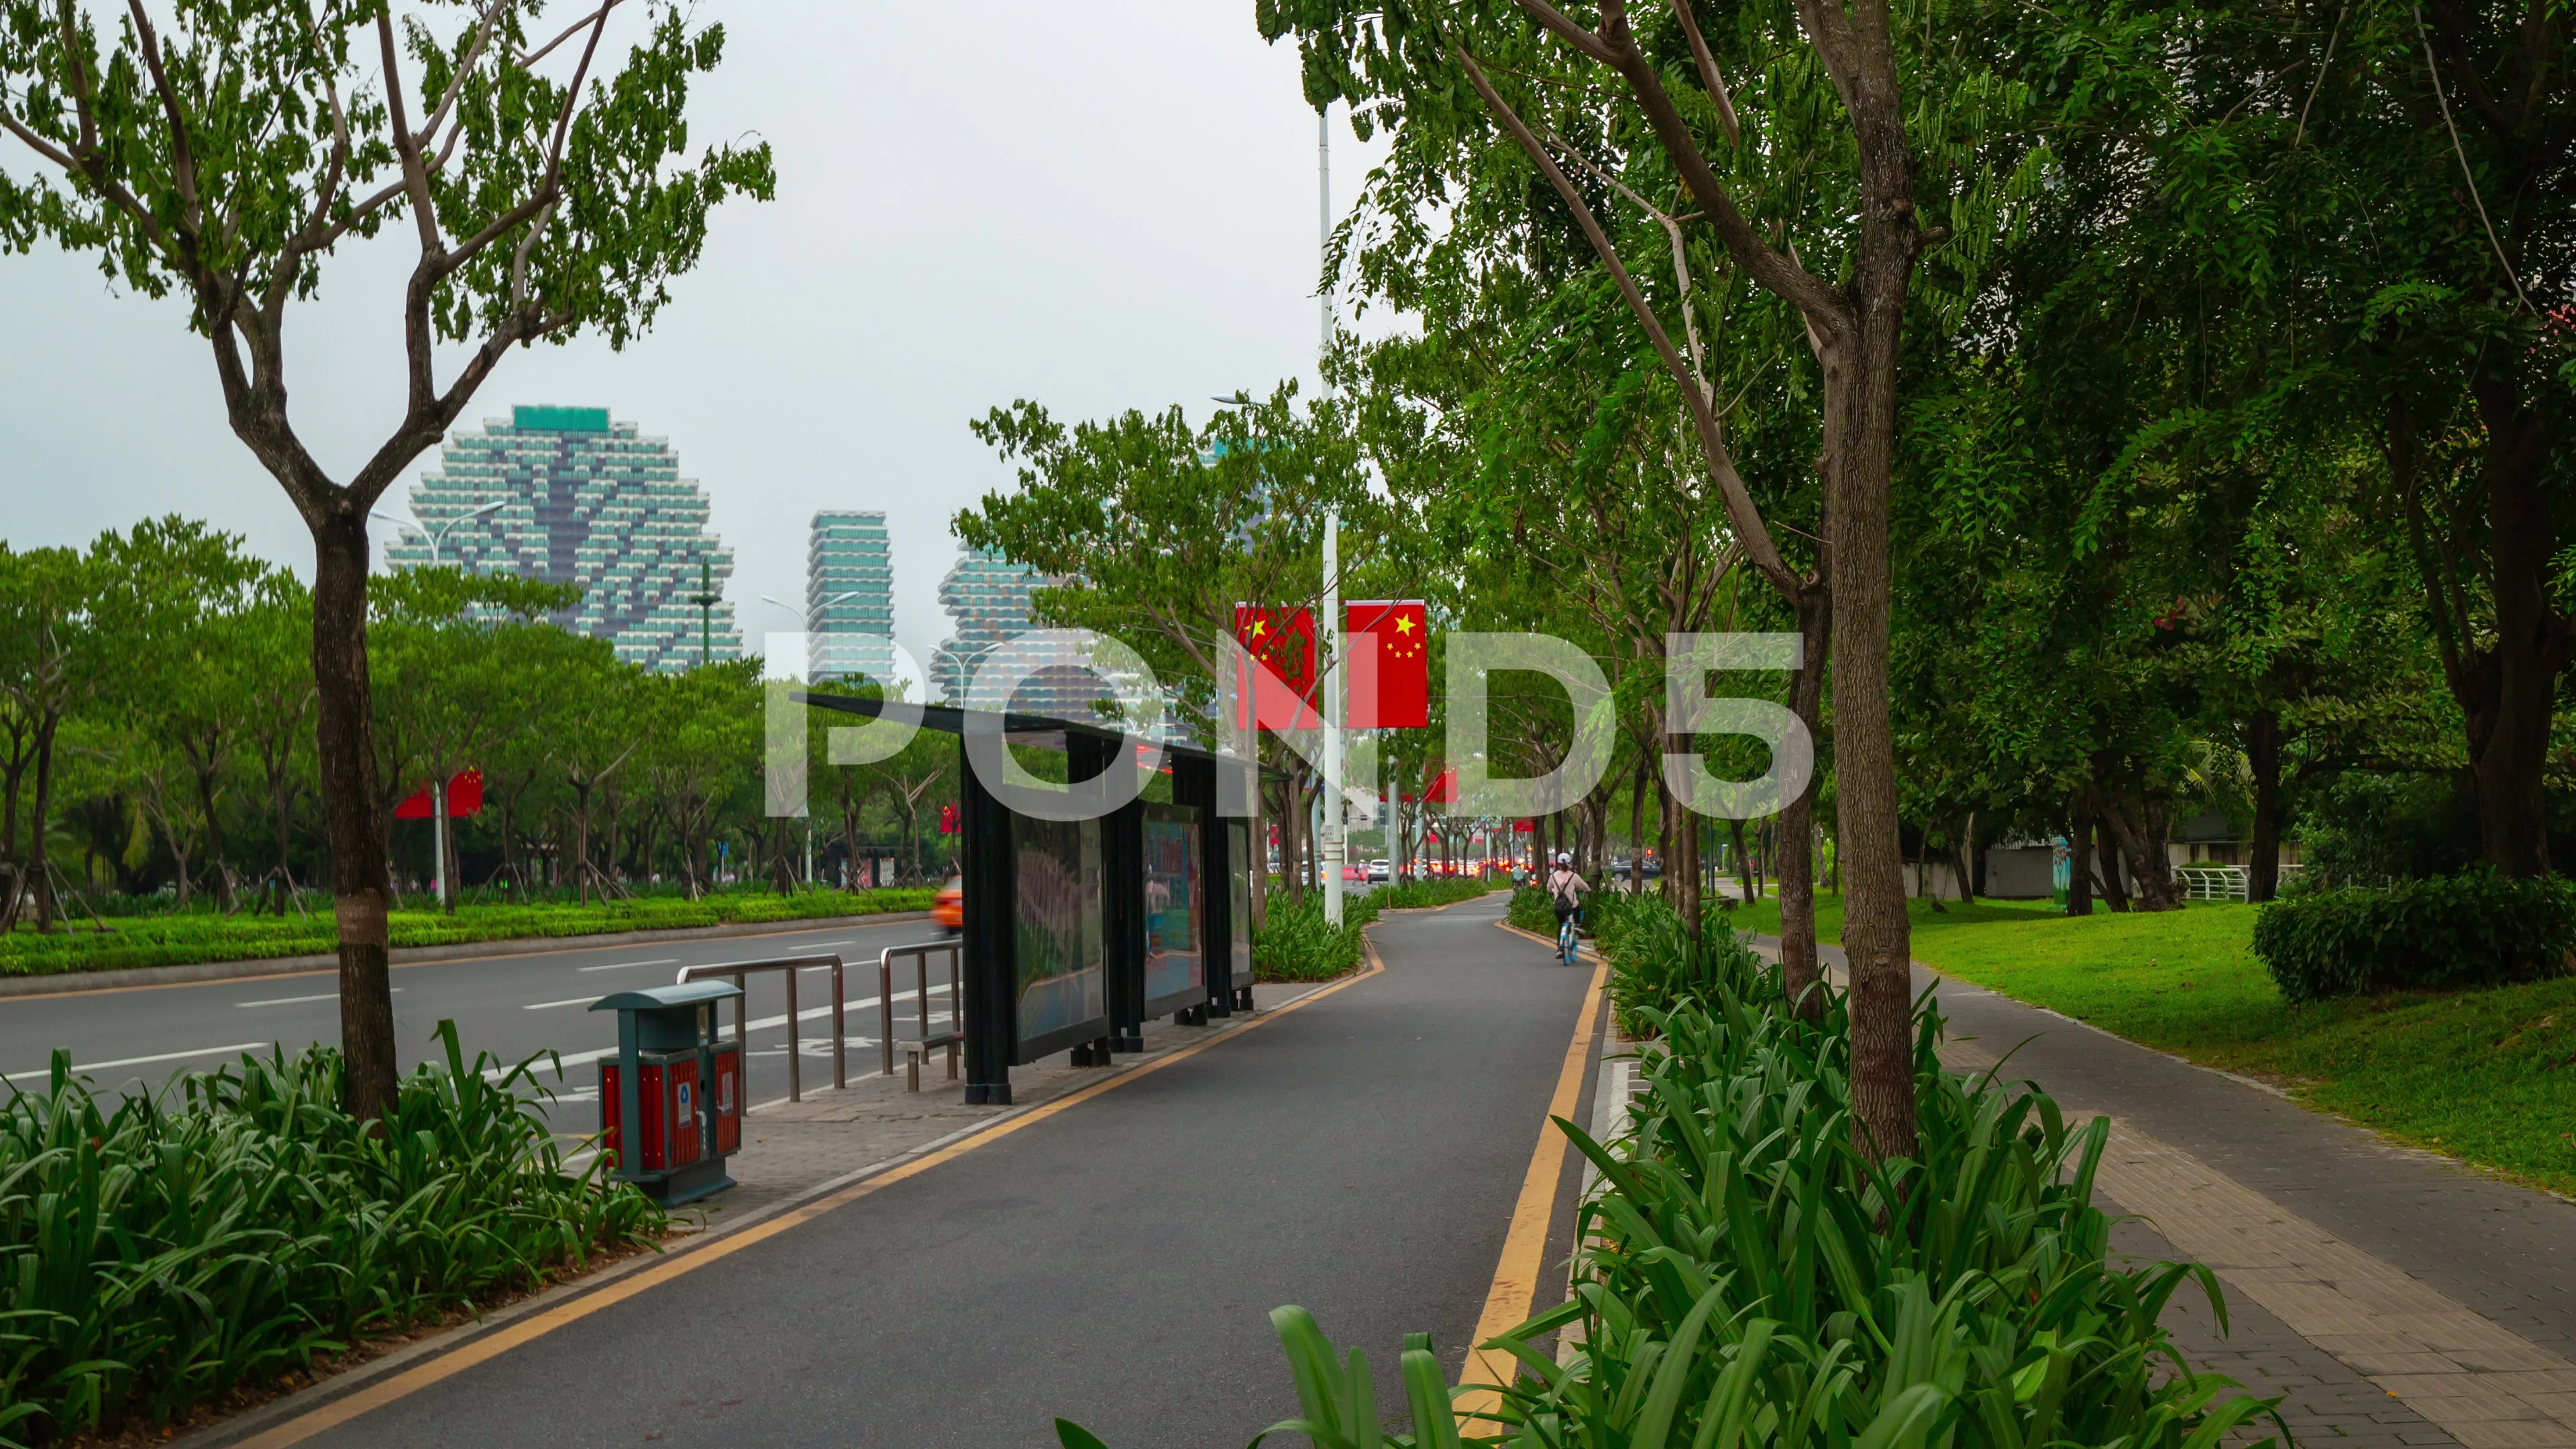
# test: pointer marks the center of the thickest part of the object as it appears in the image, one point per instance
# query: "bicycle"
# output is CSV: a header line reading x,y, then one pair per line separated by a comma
x,y
1566,938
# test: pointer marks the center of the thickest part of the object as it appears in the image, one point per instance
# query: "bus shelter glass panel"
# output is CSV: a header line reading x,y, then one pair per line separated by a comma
x,y
1175,958
1058,945
1238,880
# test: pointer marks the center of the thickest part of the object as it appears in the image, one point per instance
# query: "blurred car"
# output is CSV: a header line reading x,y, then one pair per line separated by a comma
x,y
1377,870
948,908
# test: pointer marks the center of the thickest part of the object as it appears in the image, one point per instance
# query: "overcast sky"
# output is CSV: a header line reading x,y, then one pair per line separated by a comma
x,y
1096,207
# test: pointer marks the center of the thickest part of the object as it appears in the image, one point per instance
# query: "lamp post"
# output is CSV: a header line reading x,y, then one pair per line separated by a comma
x,y
438,784
438,535
806,617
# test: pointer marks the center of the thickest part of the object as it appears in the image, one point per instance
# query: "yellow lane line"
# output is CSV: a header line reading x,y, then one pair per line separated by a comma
x,y
1516,1275
537,1325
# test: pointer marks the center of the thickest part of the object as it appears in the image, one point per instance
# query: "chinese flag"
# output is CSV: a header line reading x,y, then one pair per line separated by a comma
x,y
1402,632
464,797
1284,696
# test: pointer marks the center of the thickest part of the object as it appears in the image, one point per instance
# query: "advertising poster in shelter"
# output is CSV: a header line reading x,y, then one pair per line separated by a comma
x,y
1058,943
1175,963
1238,877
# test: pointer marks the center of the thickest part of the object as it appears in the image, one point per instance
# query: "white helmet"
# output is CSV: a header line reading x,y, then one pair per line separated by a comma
x,y
1565,857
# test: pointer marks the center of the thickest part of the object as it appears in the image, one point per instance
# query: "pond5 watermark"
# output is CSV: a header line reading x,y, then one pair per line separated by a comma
x,y
1244,699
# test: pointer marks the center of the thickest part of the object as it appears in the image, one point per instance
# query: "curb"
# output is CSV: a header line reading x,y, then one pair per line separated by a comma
x,y
133,977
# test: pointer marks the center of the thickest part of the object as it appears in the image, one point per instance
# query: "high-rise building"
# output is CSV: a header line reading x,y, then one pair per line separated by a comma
x,y
849,598
585,501
988,597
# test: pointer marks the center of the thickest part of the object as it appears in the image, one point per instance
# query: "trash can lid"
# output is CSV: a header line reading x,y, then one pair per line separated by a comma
x,y
654,998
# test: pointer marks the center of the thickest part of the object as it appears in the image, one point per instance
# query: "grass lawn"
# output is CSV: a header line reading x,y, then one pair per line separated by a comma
x,y
187,939
2487,1076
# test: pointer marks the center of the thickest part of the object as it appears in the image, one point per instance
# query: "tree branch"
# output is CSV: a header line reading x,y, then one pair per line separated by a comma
x,y
183,157
1741,512
1708,72
464,70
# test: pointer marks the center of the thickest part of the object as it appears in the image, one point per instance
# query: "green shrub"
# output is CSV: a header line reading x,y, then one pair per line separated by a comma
x,y
158,1252
2473,929
186,939
1440,891
1655,964
1748,1277
1296,943
1530,910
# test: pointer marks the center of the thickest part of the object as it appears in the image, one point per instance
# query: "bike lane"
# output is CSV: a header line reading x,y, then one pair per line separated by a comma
x,y
1115,1263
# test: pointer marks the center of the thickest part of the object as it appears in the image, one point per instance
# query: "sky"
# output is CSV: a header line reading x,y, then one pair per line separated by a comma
x,y
1094,207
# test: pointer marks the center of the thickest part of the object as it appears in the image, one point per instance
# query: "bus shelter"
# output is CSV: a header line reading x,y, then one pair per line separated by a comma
x,y
1078,932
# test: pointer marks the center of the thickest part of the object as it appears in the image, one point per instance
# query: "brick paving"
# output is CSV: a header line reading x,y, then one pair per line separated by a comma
x,y
2392,1296
2365,1351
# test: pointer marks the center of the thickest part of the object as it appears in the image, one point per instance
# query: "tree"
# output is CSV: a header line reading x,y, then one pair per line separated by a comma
x,y
226,162
1782,187
1161,529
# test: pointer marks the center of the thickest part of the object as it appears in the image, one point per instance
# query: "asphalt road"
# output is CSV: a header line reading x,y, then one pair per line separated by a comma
x,y
1114,1263
518,1001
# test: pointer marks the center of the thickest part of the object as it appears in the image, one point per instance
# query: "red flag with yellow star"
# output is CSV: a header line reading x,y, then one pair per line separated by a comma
x,y
1402,630
1283,640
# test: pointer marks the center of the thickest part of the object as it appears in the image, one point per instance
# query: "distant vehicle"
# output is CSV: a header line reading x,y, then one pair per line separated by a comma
x,y
948,908
1377,870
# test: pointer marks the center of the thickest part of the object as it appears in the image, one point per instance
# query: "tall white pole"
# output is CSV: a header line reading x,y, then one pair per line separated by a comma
x,y
438,797
1332,641
1333,716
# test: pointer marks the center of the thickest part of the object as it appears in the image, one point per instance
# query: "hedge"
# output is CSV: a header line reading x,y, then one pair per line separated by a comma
x,y
2473,929
177,940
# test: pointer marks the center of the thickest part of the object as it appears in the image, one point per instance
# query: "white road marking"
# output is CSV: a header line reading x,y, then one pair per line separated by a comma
x,y
298,1000
622,965
551,1005
221,1051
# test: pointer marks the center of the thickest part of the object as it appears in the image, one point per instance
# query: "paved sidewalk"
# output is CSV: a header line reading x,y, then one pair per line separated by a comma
x,y
2396,1297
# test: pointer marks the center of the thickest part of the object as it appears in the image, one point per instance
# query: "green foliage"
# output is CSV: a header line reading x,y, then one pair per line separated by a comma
x,y
1439,891
1656,963
175,940
2477,928
1532,911
160,1252
2369,829
1296,943
1747,1276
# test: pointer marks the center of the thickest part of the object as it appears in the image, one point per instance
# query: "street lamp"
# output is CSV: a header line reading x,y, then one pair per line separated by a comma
x,y
438,535
438,785
806,617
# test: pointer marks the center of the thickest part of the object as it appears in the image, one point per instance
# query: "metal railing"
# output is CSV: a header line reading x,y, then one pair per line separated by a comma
x,y
922,1043
2210,882
735,971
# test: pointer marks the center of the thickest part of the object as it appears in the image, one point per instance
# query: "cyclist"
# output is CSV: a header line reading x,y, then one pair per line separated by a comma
x,y
1564,891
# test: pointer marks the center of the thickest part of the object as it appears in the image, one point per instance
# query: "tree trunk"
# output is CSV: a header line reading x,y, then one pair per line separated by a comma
x,y
40,879
214,839
1637,827
1799,972
1962,860
2141,843
2106,862
344,735
2263,857
2515,682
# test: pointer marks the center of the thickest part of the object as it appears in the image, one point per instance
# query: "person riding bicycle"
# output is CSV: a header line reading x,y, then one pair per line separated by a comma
x,y
1564,889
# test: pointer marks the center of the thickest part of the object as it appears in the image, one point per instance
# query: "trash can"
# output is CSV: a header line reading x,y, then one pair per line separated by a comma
x,y
680,1087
